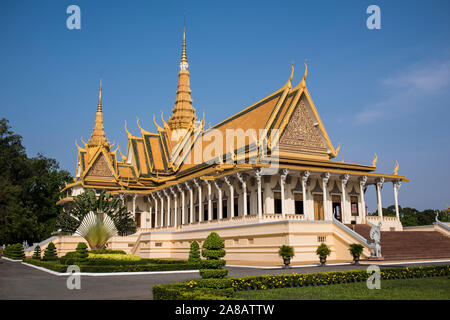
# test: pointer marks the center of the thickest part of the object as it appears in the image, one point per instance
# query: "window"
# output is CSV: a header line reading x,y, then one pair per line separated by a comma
x,y
236,206
248,202
214,211
224,208
354,205
205,212
277,202
298,203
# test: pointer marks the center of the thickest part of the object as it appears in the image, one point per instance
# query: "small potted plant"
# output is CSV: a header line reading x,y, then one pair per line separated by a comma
x,y
323,252
286,252
356,251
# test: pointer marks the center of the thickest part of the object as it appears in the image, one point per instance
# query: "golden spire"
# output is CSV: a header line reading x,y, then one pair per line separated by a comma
x,y
183,113
98,136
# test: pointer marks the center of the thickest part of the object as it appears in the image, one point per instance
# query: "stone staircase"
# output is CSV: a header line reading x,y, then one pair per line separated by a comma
x,y
408,245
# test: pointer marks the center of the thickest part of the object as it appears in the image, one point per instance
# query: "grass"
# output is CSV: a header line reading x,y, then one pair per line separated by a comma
x,y
437,288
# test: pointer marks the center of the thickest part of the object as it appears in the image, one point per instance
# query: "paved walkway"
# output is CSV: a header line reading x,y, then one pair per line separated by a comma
x,y
18,281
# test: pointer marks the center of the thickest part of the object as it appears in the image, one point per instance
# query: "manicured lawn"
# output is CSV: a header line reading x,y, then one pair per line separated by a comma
x,y
437,288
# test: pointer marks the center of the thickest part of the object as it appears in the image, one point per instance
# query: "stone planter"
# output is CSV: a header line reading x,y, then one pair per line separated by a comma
x,y
286,262
323,260
356,260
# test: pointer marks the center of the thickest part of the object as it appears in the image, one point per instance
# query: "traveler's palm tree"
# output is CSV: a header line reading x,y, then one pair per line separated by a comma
x,y
97,219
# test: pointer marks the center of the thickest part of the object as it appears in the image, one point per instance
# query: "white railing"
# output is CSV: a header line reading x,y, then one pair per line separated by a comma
x,y
240,220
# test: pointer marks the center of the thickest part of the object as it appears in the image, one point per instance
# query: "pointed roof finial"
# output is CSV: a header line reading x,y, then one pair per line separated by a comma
x,y
183,113
98,136
99,107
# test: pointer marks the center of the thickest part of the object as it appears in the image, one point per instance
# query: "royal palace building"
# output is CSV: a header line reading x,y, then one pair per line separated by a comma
x,y
261,178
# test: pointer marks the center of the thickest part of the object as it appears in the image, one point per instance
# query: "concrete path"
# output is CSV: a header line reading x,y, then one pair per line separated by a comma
x,y
18,281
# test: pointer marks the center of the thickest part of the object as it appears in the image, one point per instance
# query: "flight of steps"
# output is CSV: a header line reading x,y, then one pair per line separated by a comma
x,y
407,245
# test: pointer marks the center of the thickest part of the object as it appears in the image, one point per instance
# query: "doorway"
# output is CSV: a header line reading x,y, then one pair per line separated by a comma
x,y
337,210
318,207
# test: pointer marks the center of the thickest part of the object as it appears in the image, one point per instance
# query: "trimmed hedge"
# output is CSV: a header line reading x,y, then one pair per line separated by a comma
x,y
14,252
213,251
59,267
51,265
50,253
220,288
107,251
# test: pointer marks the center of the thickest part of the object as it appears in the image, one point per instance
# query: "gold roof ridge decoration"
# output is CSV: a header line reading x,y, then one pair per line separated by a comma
x,y
183,113
155,160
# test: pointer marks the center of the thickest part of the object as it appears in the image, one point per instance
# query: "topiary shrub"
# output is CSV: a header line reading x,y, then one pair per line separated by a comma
x,y
356,250
14,252
81,250
50,253
37,253
194,252
323,252
286,252
213,250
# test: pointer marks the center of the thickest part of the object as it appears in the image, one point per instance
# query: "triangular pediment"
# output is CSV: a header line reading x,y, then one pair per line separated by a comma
x,y
302,133
100,168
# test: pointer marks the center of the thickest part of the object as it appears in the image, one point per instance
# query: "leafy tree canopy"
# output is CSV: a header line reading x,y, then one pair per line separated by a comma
x,y
29,190
413,217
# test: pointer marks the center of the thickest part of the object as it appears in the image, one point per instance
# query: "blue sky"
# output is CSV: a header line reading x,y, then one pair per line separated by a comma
x,y
384,91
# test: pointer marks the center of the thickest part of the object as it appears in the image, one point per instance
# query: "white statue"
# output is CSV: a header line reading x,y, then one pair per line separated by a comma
x,y
375,235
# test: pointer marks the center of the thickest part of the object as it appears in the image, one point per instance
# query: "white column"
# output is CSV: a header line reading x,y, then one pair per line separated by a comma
x,y
150,209
283,177
258,181
242,179
156,209
183,204
198,183
134,205
191,202
218,185
167,194
160,195
344,213
325,178
173,190
210,215
380,182
305,176
229,181
362,184
397,184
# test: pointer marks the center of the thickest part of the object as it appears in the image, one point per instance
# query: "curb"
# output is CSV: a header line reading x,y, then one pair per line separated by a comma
x,y
11,259
94,274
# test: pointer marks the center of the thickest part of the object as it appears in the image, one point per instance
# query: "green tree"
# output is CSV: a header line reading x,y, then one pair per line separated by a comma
x,y
37,252
50,253
194,252
81,250
29,190
97,232
213,251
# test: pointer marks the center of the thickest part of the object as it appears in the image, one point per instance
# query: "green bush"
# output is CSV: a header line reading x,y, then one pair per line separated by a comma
x,y
81,251
50,253
37,252
212,264
194,252
356,250
323,250
213,273
14,252
223,288
213,251
213,242
51,265
286,251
